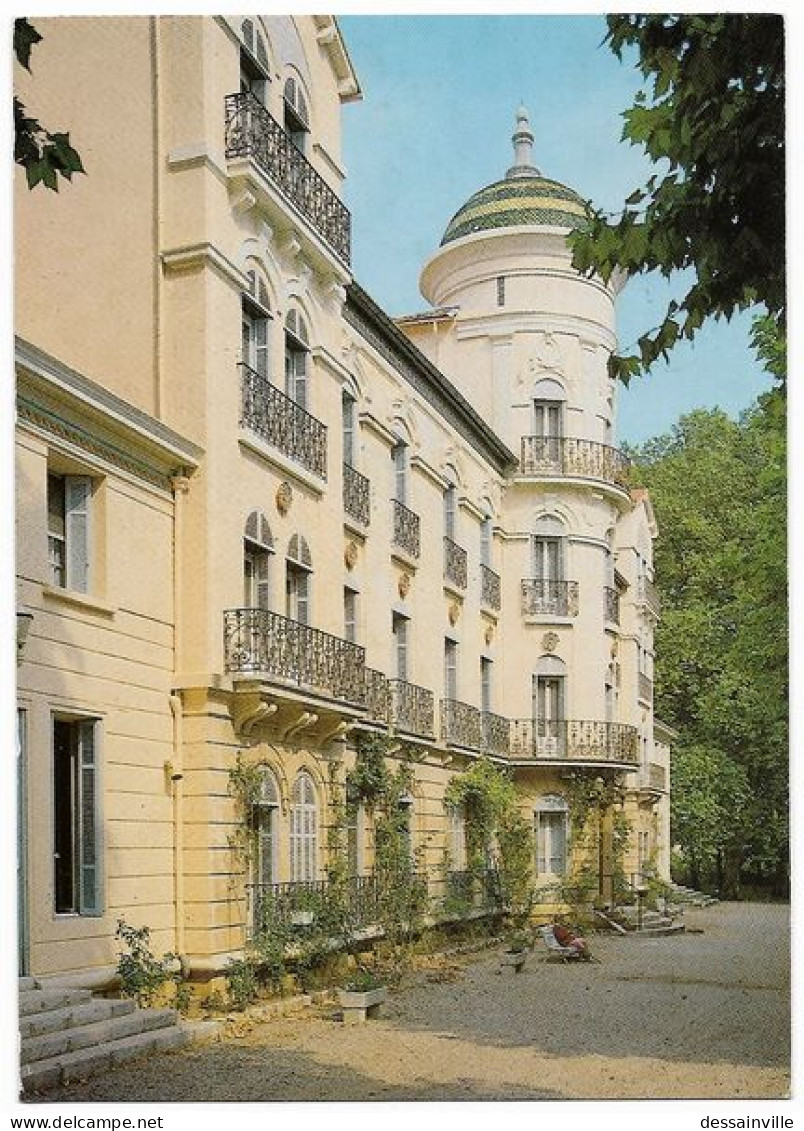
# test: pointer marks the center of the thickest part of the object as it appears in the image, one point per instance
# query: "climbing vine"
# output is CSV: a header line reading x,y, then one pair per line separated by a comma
x,y
588,799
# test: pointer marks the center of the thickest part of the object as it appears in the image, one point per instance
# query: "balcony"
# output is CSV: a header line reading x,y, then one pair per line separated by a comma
x,y
454,563
412,708
406,534
261,643
655,777
549,456
611,605
648,594
645,687
280,422
356,495
461,724
541,597
490,589
378,697
252,132
496,734
573,740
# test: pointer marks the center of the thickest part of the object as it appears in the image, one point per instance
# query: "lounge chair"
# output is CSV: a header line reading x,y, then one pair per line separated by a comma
x,y
556,950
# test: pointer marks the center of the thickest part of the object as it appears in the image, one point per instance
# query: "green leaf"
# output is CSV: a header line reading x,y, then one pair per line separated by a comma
x,y
25,36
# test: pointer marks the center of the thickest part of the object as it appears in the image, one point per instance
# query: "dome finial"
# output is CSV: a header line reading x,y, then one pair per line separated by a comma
x,y
523,147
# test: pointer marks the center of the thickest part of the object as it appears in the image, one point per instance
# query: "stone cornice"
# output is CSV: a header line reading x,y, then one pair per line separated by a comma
x,y
374,325
194,257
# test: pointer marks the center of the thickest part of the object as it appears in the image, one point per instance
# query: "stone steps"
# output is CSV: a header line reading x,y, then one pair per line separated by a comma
x,y
69,1034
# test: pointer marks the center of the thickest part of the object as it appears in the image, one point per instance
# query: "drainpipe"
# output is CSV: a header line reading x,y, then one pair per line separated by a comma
x,y
156,232
175,769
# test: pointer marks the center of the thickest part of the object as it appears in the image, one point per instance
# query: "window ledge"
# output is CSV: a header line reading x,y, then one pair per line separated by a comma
x,y
81,600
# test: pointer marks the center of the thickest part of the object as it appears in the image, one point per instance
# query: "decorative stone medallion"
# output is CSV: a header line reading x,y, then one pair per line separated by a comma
x,y
284,497
488,635
615,647
550,641
404,585
454,612
350,555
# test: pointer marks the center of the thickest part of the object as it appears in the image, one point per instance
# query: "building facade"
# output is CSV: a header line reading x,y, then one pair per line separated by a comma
x,y
258,517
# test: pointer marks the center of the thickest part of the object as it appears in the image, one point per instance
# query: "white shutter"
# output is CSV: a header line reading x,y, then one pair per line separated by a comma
x,y
302,597
88,823
77,495
263,566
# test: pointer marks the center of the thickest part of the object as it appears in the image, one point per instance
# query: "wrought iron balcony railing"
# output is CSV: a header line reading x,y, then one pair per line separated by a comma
x,y
461,724
490,588
645,687
611,604
412,708
574,740
542,597
275,418
378,697
252,132
564,455
647,592
263,643
496,733
406,529
356,495
454,563
290,909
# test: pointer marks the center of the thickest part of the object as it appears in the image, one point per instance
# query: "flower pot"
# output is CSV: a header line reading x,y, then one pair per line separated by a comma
x,y
514,958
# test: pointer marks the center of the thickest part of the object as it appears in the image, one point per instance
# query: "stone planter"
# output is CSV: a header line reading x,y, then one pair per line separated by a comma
x,y
513,958
302,918
358,1005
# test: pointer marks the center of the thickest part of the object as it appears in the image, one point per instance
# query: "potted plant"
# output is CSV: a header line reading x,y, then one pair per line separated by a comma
x,y
516,945
362,991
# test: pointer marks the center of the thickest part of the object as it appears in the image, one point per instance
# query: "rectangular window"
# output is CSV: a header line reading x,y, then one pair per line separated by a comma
x,y
350,614
450,511
450,669
348,430
296,372
68,529
256,566
548,562
457,837
399,455
547,420
399,628
297,594
501,290
486,668
76,824
551,843
354,839
486,535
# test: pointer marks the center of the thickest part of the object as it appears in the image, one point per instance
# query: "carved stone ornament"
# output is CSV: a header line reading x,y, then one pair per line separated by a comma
x,y
404,585
350,555
488,636
284,497
454,612
550,641
615,647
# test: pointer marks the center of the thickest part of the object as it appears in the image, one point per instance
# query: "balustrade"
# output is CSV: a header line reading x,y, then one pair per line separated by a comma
x,y
461,724
275,418
356,495
565,455
412,708
490,588
406,532
574,740
543,597
454,563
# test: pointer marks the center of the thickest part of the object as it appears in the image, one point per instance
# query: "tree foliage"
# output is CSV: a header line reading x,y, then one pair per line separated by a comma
x,y
44,156
712,117
719,490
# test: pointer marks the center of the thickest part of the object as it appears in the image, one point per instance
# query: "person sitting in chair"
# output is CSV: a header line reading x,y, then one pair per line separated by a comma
x,y
565,936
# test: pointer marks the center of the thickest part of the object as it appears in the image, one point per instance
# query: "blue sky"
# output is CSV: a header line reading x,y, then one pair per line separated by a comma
x,y
434,126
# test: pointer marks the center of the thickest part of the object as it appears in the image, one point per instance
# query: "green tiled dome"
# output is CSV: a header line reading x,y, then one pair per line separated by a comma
x,y
516,201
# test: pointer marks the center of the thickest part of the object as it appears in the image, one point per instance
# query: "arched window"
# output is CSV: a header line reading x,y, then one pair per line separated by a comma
x,y
254,63
264,824
303,830
256,325
297,349
548,409
548,548
258,546
297,114
298,571
400,457
549,703
551,821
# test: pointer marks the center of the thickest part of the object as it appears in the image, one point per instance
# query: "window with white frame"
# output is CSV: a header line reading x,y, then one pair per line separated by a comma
x,y
456,819
258,548
486,540
76,818
551,820
69,502
548,548
401,461
355,835
350,614
297,350
298,572
265,830
450,510
256,323
348,415
399,631
549,695
296,113
486,671
450,668
303,830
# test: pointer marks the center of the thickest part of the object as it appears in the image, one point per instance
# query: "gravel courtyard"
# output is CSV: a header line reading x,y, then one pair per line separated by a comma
x,y
691,1016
